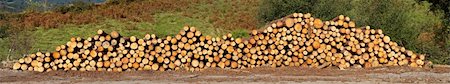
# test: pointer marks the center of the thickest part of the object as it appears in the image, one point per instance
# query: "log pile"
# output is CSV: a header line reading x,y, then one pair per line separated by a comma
x,y
295,40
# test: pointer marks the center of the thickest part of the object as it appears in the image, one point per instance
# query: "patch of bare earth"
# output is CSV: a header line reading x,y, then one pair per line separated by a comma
x,y
254,75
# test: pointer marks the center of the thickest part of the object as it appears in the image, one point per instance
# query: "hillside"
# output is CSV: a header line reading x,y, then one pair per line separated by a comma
x,y
50,28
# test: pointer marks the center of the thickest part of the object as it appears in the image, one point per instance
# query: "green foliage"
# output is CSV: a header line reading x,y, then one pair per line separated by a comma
x,y
75,6
274,9
443,5
410,23
403,20
326,11
4,31
3,15
447,39
443,35
240,33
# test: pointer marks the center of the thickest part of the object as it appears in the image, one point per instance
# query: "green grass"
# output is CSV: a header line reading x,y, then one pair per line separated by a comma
x,y
4,48
225,14
166,24
172,23
47,39
240,33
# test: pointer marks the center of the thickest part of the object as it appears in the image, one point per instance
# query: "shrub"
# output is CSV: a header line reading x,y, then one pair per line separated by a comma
x,y
274,9
119,1
3,31
2,15
76,6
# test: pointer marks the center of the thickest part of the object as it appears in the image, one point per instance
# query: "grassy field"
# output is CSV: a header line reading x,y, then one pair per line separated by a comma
x,y
166,24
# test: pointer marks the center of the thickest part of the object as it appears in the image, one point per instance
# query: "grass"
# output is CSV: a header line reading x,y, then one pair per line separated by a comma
x,y
4,52
172,23
167,24
49,38
240,33
226,14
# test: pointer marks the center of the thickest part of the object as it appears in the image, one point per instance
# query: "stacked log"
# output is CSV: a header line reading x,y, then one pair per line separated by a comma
x,y
295,40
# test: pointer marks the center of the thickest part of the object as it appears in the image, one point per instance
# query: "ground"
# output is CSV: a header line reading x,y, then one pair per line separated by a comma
x,y
227,76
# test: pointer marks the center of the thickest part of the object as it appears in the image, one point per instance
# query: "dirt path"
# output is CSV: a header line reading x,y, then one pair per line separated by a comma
x,y
226,76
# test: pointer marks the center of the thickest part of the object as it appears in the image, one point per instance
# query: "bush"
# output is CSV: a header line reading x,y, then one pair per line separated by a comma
x,y
274,9
119,1
410,23
3,15
4,31
76,7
